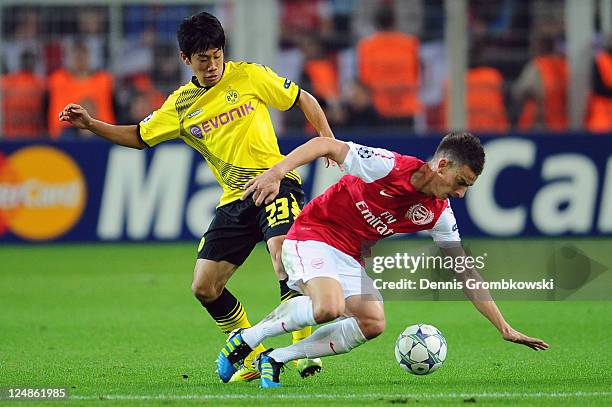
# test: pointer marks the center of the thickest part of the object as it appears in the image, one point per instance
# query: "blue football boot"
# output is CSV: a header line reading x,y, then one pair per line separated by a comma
x,y
232,355
269,369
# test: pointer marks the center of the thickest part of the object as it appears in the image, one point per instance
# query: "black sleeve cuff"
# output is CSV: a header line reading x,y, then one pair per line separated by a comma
x,y
140,137
296,100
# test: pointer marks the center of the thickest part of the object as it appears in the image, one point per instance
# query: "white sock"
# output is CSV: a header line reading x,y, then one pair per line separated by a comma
x,y
331,339
290,316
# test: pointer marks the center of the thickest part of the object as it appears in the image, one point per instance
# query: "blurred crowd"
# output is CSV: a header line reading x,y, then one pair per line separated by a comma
x,y
371,63
53,56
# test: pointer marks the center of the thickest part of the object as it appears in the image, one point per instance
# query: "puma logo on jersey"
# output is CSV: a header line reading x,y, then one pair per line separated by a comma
x,y
195,113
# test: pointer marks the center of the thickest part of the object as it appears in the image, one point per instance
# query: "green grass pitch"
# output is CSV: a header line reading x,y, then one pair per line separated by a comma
x,y
117,324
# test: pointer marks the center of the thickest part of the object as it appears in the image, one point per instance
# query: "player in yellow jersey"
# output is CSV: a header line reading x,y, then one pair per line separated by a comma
x,y
223,113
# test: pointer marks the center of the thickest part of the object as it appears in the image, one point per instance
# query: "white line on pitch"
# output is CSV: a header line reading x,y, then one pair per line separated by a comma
x,y
343,396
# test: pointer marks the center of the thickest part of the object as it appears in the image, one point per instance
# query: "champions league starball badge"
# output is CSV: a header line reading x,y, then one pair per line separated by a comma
x,y
365,152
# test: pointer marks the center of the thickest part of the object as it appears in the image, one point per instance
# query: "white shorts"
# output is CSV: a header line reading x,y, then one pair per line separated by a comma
x,y
305,260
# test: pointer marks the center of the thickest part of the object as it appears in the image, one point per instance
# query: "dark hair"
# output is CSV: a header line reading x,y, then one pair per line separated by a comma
x,y
545,44
462,148
27,60
384,20
200,32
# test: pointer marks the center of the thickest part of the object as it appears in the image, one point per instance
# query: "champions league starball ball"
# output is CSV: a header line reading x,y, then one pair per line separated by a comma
x,y
420,349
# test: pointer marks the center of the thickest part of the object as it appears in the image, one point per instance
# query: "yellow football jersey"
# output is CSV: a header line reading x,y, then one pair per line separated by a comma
x,y
228,123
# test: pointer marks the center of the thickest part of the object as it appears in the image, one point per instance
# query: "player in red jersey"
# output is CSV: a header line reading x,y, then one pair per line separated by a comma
x,y
382,194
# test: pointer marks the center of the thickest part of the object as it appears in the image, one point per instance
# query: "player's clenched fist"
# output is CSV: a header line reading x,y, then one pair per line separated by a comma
x,y
75,115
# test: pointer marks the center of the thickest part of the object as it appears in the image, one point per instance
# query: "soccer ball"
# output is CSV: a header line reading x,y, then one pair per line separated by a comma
x,y
420,349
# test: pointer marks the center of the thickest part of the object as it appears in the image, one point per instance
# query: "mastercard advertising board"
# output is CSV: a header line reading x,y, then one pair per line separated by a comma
x,y
95,191
43,193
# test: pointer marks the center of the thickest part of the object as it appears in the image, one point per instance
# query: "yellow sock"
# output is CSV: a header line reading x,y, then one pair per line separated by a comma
x,y
237,318
301,334
248,361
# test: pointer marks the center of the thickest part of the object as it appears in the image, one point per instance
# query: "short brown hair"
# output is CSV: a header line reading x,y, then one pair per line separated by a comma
x,y
463,148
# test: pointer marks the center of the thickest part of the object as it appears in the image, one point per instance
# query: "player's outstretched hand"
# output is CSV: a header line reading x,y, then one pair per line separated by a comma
x,y
75,115
264,187
512,335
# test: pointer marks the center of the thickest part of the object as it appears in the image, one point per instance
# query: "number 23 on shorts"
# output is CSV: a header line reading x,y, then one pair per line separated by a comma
x,y
278,211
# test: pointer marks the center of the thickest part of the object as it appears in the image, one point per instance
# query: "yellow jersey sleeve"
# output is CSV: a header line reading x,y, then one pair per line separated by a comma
x,y
161,125
275,91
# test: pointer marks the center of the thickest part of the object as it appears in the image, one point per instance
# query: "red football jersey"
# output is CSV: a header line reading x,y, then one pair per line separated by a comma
x,y
373,201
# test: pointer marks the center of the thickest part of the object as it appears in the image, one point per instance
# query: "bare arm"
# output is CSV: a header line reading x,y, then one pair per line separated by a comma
x,y
484,303
265,186
314,114
318,147
122,135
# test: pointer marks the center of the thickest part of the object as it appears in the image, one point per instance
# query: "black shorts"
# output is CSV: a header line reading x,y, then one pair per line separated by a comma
x,y
238,226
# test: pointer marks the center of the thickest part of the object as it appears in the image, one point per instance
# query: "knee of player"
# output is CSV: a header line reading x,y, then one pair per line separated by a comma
x,y
328,311
372,327
205,291
275,247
